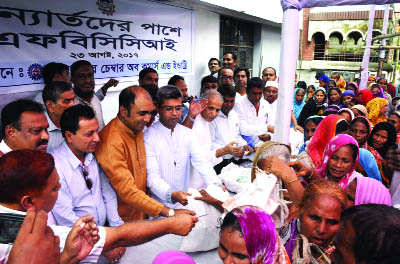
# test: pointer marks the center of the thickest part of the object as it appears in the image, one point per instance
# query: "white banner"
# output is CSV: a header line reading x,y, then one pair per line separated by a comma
x,y
119,39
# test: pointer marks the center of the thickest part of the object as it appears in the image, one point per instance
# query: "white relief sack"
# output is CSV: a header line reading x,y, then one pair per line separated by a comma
x,y
205,235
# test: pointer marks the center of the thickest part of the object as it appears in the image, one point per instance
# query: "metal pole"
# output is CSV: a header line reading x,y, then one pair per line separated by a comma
x,y
383,43
365,62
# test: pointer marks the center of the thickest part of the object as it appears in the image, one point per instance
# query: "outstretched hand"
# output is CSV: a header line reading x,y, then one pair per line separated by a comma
x,y
35,242
196,108
81,239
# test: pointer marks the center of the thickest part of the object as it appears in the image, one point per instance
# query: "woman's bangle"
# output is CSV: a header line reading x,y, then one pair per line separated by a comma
x,y
293,180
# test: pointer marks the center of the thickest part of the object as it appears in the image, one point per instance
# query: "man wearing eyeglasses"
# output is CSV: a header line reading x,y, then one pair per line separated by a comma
x,y
225,75
85,189
170,150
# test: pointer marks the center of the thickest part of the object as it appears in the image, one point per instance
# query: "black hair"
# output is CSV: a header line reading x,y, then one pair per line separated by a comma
x,y
53,90
11,113
302,84
208,79
174,79
168,92
71,116
51,69
145,71
391,140
152,89
342,126
219,62
230,220
77,64
374,243
254,82
311,86
242,69
334,89
332,82
227,90
315,120
234,56
362,120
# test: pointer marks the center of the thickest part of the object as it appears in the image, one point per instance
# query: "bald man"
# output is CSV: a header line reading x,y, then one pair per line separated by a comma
x,y
121,154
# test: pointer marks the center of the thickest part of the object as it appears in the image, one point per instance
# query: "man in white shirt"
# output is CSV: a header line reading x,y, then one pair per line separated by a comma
x,y
241,75
57,96
271,96
170,149
201,128
82,76
225,129
54,71
24,126
28,179
269,74
253,113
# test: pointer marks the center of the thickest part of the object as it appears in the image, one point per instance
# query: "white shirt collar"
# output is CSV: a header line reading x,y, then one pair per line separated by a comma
x,y
52,126
4,147
6,210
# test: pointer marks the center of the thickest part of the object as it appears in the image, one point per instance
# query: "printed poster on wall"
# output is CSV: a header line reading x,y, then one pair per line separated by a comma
x,y
119,37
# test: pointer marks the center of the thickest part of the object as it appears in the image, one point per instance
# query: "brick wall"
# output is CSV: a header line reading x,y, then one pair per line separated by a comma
x,y
307,47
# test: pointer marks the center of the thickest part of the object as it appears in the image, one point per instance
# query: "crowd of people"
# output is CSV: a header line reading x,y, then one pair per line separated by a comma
x,y
74,188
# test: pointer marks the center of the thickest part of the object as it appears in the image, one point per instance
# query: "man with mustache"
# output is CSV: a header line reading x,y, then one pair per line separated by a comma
x,y
121,153
85,189
82,76
24,126
214,65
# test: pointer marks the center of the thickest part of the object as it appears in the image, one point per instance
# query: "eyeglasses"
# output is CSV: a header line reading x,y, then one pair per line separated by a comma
x,y
85,174
269,74
170,108
226,77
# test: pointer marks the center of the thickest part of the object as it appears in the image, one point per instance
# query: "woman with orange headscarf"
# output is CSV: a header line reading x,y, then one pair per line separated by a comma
x,y
326,130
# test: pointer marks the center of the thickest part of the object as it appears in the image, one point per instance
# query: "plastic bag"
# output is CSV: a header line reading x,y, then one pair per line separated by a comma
x,y
205,235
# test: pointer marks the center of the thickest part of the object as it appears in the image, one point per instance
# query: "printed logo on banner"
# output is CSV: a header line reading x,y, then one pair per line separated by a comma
x,y
35,71
107,7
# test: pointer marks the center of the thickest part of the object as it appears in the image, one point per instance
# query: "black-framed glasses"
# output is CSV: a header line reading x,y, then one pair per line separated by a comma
x,y
85,174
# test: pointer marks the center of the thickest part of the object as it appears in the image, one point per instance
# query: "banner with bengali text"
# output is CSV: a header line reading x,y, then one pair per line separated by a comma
x,y
119,37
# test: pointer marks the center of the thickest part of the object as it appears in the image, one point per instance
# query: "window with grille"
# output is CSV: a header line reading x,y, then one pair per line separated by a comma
x,y
237,36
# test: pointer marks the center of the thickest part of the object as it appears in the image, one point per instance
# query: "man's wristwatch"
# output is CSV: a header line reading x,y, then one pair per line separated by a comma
x,y
171,212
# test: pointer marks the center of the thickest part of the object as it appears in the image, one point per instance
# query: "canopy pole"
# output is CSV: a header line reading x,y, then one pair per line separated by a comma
x,y
365,61
287,70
